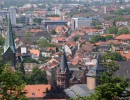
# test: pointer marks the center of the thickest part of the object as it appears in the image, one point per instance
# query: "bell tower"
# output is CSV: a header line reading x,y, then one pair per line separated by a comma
x,y
63,74
92,76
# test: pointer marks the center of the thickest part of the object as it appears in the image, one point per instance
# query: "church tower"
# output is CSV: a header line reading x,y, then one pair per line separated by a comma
x,y
9,47
63,73
92,76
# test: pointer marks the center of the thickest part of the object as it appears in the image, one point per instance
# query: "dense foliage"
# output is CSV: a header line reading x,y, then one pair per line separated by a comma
x,y
123,30
30,60
116,31
96,23
110,87
37,20
2,41
122,12
112,30
44,43
11,84
97,38
37,76
116,56
75,38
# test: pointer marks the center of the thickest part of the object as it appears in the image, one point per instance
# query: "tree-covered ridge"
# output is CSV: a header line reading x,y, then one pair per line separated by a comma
x,y
97,38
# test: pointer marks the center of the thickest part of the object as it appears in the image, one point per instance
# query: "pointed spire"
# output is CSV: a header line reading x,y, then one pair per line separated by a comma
x,y
63,62
9,42
9,47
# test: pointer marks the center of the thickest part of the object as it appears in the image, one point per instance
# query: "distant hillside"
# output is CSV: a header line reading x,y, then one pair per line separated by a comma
x,y
8,3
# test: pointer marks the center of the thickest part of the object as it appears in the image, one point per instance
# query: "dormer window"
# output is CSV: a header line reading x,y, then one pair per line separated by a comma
x,y
33,94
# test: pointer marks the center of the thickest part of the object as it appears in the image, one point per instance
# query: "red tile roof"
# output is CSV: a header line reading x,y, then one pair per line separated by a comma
x,y
101,43
35,52
61,29
91,30
34,30
55,18
123,37
107,35
51,49
36,91
114,42
76,60
125,54
80,33
61,38
70,43
39,12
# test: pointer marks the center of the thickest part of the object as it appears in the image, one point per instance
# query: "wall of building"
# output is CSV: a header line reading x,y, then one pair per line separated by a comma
x,y
91,83
81,22
12,12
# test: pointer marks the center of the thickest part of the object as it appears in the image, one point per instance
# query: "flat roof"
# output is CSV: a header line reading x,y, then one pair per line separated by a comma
x,y
55,21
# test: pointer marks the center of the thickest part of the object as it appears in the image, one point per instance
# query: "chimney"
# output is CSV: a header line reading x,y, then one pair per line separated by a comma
x,y
91,83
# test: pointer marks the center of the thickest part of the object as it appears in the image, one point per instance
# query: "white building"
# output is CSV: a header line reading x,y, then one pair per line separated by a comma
x,y
12,13
57,11
81,22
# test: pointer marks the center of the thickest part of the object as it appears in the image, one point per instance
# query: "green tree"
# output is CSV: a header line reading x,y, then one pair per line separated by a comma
x,y
114,23
21,68
122,11
30,60
28,36
109,37
75,38
112,30
111,87
26,60
124,30
11,84
2,41
116,56
37,20
53,32
109,17
43,59
37,76
98,27
42,43
97,38
96,23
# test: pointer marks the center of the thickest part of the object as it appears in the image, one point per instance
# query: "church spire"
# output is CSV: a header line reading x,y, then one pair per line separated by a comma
x,y
63,74
9,47
63,62
9,42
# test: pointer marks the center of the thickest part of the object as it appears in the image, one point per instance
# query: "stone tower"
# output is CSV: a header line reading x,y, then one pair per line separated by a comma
x,y
63,73
9,47
92,76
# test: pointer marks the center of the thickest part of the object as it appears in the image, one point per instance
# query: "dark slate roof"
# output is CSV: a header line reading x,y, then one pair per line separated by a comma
x,y
73,67
98,68
63,62
95,70
9,42
78,90
77,73
124,70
